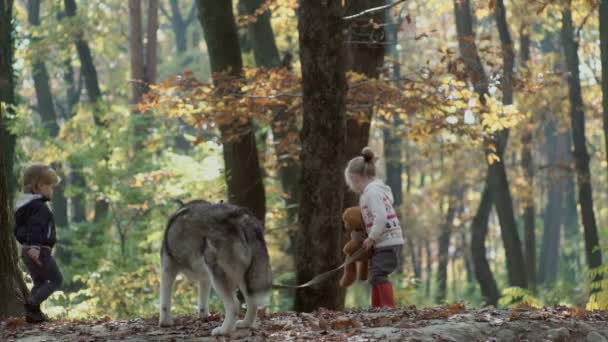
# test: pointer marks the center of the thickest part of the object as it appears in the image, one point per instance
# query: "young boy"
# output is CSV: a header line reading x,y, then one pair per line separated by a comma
x,y
35,231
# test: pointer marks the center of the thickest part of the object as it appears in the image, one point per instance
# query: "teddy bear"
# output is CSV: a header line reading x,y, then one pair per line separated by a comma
x,y
353,224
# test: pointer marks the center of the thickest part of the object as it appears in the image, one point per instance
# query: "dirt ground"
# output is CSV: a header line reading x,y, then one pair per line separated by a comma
x,y
447,323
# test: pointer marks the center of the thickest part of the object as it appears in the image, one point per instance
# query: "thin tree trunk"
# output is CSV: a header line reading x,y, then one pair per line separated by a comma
x,y
243,172
497,176
503,201
445,234
136,50
93,91
581,156
12,287
261,36
151,43
324,89
572,234
527,165
479,231
479,226
364,58
266,55
46,109
179,24
604,60
553,216
429,268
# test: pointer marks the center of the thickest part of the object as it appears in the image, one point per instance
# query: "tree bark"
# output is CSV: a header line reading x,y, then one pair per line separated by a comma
x,y
179,24
479,226
12,287
445,234
91,82
503,201
324,89
46,109
136,51
151,43
266,55
527,165
581,156
479,231
364,57
261,36
497,181
604,61
429,268
242,166
553,217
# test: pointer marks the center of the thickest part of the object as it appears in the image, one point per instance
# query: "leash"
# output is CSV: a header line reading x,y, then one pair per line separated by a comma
x,y
323,276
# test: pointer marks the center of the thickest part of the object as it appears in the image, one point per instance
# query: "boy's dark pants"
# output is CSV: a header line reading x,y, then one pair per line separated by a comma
x,y
47,277
383,262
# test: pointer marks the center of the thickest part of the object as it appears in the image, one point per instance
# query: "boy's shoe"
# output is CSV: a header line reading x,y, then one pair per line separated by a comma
x,y
33,314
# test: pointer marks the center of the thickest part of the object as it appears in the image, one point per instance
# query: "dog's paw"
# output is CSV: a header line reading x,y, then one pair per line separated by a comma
x,y
242,324
220,331
165,322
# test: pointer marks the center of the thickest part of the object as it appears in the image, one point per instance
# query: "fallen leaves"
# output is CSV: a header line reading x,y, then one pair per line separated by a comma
x,y
372,324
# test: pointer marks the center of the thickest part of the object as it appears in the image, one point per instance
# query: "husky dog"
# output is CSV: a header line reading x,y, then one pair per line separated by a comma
x,y
219,244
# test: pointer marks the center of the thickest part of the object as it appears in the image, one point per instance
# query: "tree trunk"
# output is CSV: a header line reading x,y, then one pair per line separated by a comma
x,y
151,43
242,166
179,24
581,156
604,60
445,234
266,55
503,201
324,89
261,36
12,287
136,51
366,57
429,268
479,231
87,68
572,234
46,109
479,226
527,165
553,216
497,177
13,291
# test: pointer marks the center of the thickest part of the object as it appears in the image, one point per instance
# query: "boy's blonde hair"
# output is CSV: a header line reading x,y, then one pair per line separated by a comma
x,y
37,174
363,165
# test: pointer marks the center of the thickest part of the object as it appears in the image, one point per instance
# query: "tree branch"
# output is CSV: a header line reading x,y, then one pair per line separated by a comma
x,y
164,11
192,14
580,28
372,10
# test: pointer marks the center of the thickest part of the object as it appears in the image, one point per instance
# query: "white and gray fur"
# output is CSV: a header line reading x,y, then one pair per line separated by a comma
x,y
221,245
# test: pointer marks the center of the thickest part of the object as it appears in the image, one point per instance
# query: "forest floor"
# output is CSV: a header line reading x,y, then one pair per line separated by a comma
x,y
447,323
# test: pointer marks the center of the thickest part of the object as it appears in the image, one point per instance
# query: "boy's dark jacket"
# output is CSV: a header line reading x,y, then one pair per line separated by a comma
x,y
34,223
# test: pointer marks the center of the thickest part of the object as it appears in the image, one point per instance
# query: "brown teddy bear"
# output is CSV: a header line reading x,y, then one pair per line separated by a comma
x,y
353,223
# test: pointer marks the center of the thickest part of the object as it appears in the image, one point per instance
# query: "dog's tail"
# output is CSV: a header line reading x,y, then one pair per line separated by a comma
x,y
165,245
258,276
